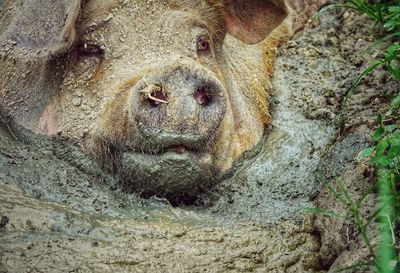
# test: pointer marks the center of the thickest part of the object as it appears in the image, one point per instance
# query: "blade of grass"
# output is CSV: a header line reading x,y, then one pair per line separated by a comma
x,y
365,194
355,211
332,190
328,213
356,266
350,91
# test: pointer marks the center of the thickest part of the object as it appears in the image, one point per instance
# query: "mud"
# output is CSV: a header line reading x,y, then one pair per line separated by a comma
x,y
48,237
60,213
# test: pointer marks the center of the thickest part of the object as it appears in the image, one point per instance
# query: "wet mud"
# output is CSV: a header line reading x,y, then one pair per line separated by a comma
x,y
60,213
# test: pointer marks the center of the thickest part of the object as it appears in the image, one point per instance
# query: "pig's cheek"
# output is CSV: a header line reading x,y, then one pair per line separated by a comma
x,y
47,124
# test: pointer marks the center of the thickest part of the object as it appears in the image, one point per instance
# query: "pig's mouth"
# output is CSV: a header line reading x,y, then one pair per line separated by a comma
x,y
179,149
178,173
160,142
176,149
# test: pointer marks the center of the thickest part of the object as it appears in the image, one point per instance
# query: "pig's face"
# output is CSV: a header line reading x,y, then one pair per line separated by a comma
x,y
158,93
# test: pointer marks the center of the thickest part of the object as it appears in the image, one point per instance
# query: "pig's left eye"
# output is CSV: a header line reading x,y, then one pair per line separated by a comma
x,y
203,44
89,48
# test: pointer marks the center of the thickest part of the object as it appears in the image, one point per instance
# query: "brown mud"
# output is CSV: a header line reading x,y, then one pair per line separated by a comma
x,y
60,213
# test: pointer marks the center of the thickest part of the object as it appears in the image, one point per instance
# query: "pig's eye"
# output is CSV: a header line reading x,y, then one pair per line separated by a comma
x,y
89,48
203,44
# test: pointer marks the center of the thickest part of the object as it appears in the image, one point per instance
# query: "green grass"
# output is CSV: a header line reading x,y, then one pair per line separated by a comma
x,y
384,155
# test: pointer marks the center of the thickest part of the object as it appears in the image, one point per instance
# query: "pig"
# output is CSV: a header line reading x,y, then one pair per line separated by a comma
x,y
166,95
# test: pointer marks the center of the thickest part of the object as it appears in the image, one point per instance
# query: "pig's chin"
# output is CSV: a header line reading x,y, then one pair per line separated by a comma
x,y
176,173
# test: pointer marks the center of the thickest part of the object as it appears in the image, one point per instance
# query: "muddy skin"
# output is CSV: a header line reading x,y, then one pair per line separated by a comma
x,y
65,214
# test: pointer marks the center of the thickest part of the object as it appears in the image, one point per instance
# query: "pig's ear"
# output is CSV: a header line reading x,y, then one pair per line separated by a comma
x,y
252,20
32,32
40,27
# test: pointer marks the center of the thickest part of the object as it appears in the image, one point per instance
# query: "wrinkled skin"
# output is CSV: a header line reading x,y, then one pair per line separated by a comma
x,y
166,94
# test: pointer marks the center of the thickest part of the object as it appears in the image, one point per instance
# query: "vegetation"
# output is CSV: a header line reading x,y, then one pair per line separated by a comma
x,y
385,154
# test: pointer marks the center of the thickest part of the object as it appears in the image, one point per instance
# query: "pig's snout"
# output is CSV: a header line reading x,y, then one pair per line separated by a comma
x,y
178,105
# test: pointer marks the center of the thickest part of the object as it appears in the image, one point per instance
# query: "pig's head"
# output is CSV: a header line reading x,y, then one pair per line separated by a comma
x,y
166,94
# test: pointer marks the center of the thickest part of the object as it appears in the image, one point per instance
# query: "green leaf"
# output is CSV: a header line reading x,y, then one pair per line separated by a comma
x,y
396,135
393,71
379,119
393,48
367,152
389,25
381,146
381,161
395,104
390,128
394,151
378,134
394,9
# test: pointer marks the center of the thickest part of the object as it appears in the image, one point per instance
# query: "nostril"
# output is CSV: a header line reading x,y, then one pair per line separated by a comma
x,y
157,97
154,95
202,97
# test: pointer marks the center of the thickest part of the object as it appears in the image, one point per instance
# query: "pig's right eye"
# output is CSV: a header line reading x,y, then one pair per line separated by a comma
x,y
86,48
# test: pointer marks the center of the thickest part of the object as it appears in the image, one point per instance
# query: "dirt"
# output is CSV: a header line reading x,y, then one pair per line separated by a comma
x,y
60,213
